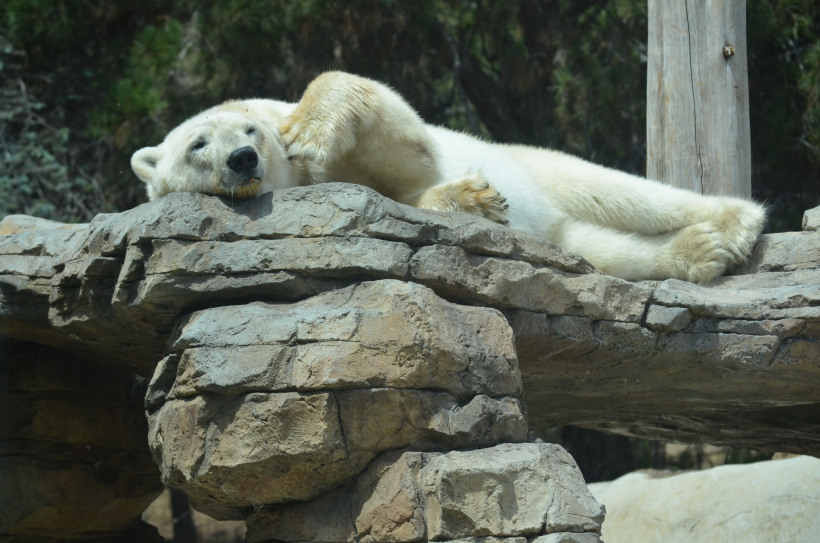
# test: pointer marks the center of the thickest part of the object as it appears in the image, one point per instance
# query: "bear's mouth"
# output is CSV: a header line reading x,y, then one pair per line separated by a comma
x,y
251,182
246,188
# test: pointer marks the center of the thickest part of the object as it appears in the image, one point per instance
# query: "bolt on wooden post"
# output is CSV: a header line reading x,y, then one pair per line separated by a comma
x,y
697,126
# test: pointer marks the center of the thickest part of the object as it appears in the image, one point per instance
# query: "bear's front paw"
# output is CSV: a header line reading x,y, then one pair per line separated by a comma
x,y
697,253
325,124
488,202
475,195
318,135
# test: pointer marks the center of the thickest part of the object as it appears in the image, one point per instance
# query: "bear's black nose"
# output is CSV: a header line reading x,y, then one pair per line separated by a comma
x,y
243,159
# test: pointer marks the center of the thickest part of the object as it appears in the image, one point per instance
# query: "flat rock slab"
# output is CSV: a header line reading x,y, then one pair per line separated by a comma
x,y
731,363
764,502
121,285
381,334
511,493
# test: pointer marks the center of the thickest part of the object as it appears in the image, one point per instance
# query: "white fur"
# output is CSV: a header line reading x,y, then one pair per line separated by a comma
x,y
352,129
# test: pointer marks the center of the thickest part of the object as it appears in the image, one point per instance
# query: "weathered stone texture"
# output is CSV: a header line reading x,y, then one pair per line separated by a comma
x,y
811,220
131,275
29,249
507,491
330,383
733,362
74,462
712,363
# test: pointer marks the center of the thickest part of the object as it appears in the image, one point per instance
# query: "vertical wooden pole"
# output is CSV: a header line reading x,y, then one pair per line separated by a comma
x,y
697,126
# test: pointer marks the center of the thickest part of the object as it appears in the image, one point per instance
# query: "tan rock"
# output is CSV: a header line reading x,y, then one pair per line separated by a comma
x,y
507,490
374,335
503,494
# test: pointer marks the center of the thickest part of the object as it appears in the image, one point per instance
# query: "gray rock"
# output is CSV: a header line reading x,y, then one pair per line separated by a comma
x,y
29,250
504,493
691,386
377,366
568,537
374,335
131,275
811,220
594,350
670,319
786,251
491,539
454,273
229,454
16,224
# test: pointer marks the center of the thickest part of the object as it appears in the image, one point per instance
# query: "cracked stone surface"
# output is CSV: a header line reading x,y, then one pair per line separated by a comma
x,y
29,250
514,492
734,362
272,403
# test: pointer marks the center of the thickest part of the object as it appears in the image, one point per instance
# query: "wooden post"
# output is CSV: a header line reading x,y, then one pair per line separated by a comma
x,y
697,126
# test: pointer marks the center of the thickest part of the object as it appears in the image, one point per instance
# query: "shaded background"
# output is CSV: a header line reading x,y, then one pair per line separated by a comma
x,y
85,83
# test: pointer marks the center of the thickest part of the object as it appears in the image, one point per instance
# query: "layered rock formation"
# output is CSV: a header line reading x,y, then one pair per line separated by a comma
x,y
272,403
262,405
324,327
733,362
527,492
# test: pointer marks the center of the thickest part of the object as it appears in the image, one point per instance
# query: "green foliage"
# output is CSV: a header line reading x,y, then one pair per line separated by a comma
x,y
34,178
567,74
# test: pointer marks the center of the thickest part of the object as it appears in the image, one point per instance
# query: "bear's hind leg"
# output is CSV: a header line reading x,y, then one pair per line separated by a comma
x,y
470,194
693,253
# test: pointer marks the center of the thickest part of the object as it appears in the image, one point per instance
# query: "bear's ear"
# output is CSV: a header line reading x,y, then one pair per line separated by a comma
x,y
144,163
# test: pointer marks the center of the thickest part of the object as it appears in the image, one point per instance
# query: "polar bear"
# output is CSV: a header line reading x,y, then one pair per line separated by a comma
x,y
352,129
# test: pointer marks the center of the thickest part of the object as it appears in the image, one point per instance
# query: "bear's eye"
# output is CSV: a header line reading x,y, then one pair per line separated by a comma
x,y
251,130
199,145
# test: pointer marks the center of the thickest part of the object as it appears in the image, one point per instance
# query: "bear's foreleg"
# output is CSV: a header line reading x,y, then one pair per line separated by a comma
x,y
357,130
471,194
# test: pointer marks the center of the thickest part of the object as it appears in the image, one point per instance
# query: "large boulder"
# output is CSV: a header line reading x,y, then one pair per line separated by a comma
x,y
272,403
767,502
310,420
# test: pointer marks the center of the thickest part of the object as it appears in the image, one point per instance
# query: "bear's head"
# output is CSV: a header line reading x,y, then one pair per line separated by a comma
x,y
220,151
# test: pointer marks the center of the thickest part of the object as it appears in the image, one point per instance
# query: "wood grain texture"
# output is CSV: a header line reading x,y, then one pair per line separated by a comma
x,y
697,99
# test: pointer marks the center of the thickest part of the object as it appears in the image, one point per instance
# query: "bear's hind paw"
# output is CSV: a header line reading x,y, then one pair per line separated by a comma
x,y
698,253
740,226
